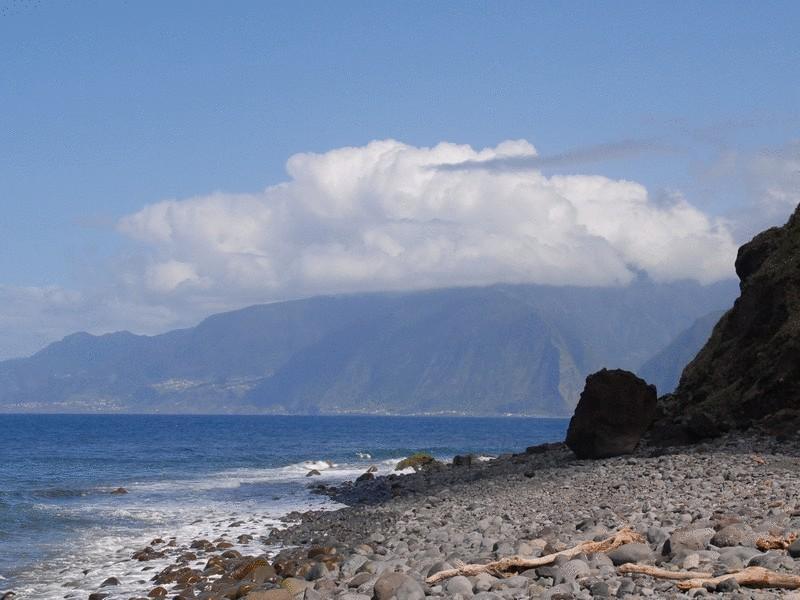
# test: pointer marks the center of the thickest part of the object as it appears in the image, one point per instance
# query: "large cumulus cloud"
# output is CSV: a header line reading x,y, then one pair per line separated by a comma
x,y
393,216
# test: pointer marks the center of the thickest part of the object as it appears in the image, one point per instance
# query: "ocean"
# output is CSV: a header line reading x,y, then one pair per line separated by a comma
x,y
62,531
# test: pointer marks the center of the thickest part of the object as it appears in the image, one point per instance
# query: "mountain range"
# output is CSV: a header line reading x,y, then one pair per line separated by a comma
x,y
504,349
664,369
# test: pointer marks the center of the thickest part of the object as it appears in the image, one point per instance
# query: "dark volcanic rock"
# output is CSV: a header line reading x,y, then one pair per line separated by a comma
x,y
465,460
365,477
750,367
615,409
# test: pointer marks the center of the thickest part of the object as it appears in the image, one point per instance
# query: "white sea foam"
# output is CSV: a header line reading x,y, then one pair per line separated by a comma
x,y
182,509
108,554
234,478
177,509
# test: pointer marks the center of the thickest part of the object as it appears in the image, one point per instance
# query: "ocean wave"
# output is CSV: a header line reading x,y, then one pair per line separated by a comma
x,y
242,476
57,493
113,527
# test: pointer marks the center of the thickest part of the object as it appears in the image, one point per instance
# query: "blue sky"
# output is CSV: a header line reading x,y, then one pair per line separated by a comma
x,y
112,107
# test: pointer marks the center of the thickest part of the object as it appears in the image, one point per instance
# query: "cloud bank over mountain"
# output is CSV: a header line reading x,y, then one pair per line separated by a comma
x,y
384,216
393,216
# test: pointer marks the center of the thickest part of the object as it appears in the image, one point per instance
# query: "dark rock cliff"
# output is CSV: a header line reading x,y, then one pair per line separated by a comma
x,y
749,370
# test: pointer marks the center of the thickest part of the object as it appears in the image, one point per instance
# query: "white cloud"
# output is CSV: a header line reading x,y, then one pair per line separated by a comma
x,y
167,276
33,317
760,188
388,216
776,178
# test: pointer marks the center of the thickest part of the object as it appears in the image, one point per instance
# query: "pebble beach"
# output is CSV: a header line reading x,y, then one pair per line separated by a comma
x,y
706,509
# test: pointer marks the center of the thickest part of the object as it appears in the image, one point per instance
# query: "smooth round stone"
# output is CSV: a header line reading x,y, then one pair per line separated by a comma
x,y
399,586
575,569
517,581
600,589
459,585
359,580
691,562
727,585
631,553
483,582
625,587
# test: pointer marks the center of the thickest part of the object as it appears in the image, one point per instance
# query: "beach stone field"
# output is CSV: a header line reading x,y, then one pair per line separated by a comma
x,y
711,509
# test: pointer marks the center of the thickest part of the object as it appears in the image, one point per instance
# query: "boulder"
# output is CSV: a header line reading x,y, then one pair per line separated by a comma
x,y
631,553
748,370
417,461
398,586
615,409
278,594
459,585
463,460
738,534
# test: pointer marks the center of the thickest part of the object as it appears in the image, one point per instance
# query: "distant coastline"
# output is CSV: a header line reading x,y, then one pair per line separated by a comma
x,y
280,414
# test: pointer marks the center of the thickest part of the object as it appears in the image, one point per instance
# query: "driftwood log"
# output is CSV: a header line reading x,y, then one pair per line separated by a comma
x,y
775,542
757,577
754,577
622,537
661,573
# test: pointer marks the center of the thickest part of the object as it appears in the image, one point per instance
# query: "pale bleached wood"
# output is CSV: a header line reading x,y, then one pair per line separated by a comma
x,y
771,542
622,537
757,577
661,573
754,577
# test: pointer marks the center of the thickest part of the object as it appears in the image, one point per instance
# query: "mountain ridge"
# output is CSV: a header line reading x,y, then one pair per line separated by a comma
x,y
664,369
520,349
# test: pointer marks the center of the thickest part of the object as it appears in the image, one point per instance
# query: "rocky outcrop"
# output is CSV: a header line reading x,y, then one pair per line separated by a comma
x,y
417,461
615,409
749,370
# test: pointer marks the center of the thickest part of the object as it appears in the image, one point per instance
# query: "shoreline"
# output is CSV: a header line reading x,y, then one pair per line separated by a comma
x,y
699,508
440,415
66,529
721,496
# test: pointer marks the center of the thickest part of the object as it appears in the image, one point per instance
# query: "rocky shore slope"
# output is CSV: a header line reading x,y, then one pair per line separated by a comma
x,y
703,509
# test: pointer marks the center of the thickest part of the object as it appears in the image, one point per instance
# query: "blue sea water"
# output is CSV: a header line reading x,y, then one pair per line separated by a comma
x,y
62,531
